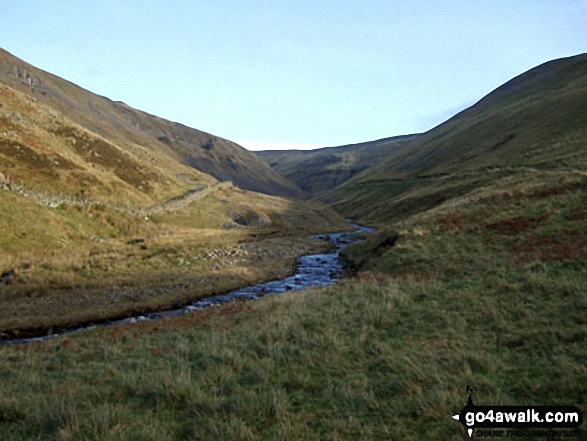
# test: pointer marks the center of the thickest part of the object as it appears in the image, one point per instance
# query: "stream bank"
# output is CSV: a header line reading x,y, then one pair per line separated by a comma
x,y
311,270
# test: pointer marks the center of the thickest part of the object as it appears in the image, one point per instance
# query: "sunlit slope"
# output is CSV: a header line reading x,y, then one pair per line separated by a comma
x,y
45,151
94,194
537,120
141,134
320,170
68,259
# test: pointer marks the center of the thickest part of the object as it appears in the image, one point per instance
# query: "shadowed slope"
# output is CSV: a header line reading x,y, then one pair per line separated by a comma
x,y
536,120
320,170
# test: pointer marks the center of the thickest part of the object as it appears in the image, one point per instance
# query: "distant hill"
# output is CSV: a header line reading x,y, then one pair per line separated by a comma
x,y
535,122
320,170
133,135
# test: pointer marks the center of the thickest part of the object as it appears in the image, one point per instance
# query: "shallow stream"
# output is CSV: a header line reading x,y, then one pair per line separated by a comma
x,y
311,270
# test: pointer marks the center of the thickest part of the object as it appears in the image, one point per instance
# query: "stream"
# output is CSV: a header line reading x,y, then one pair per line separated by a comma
x,y
311,270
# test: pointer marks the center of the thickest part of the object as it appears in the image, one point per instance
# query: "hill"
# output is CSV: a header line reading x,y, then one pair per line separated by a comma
x,y
96,196
534,122
475,279
320,170
132,132
486,293
482,249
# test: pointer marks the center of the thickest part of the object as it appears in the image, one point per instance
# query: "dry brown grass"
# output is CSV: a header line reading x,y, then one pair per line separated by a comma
x,y
110,284
77,264
48,151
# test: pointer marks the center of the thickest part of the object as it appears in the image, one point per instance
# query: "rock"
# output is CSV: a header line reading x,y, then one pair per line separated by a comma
x,y
8,276
164,140
249,218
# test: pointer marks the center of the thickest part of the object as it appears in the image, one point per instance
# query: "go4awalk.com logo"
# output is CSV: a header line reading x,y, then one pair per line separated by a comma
x,y
513,421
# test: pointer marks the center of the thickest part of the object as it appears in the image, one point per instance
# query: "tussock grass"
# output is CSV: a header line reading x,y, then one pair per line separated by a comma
x,y
88,263
443,300
486,290
365,359
479,279
513,223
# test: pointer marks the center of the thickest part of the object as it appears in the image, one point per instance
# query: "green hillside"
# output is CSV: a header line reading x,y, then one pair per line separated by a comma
x,y
535,121
484,233
475,278
320,170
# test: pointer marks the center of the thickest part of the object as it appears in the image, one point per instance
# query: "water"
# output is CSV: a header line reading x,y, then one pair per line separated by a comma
x,y
311,270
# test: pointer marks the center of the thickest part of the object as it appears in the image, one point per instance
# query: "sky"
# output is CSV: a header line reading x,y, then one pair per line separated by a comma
x,y
271,74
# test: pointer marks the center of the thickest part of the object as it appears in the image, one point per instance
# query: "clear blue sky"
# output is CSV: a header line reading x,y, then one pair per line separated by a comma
x,y
294,73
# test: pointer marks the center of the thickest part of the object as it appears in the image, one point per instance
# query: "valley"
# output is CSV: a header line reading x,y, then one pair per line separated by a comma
x,y
475,276
103,213
318,171
310,270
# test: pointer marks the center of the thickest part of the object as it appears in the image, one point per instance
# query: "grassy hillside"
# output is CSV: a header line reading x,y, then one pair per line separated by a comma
x,y
81,263
534,121
41,148
317,171
477,278
141,135
96,197
488,292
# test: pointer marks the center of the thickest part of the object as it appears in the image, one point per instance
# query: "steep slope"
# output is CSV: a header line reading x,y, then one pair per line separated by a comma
x,y
535,121
484,232
42,149
141,134
96,196
320,170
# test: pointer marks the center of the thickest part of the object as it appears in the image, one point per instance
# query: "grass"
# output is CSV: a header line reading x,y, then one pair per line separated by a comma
x,y
49,152
534,122
131,153
477,278
320,170
79,264
486,290
366,359
515,222
111,285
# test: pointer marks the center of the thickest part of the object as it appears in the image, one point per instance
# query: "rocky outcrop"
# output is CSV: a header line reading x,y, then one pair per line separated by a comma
x,y
249,218
8,276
